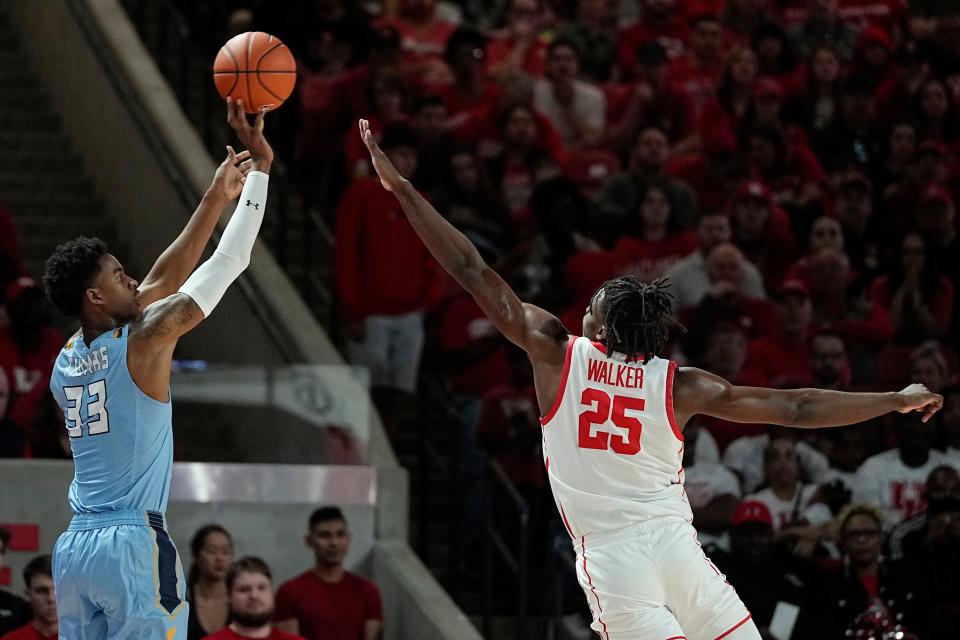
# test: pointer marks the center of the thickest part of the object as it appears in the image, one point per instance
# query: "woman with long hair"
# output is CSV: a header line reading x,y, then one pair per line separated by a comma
x,y
936,111
212,551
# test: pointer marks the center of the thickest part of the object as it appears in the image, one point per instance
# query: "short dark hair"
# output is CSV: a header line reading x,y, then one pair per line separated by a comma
x,y
565,41
323,514
196,544
69,270
247,564
637,316
39,566
463,37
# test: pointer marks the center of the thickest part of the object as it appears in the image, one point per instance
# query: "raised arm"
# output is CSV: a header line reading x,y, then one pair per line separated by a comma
x,y
178,261
531,328
698,392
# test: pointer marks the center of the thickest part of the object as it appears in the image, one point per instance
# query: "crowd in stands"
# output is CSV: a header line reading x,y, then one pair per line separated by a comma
x,y
234,599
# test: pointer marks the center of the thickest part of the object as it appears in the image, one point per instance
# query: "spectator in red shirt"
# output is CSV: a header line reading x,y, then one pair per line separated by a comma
x,y
919,299
522,45
471,87
789,169
861,228
817,108
776,56
38,578
935,110
388,101
28,348
698,71
249,583
783,359
896,152
328,602
659,20
423,38
825,233
762,230
715,174
385,278
873,60
733,91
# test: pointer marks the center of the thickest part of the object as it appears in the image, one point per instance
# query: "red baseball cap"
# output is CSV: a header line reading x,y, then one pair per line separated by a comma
x,y
18,286
752,511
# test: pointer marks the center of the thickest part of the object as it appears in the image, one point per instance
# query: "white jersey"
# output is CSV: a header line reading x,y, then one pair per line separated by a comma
x,y
612,448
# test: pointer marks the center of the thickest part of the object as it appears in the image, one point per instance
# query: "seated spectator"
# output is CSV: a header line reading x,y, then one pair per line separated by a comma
x,y
29,345
471,88
817,108
850,447
654,240
714,174
38,579
906,538
896,152
11,257
865,585
776,56
619,197
790,170
825,233
928,366
743,18
928,170
762,231
919,299
733,94
783,359
576,108
522,45
764,580
863,234
936,222
389,101
593,31
895,480
431,125
725,303
712,490
791,502
327,602
250,589
829,363
689,275
697,71
14,611
423,35
385,279
651,98
935,110
207,591
660,21
468,200
873,60
823,25
746,457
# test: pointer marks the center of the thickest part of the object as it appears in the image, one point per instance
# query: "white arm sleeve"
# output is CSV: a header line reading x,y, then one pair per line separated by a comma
x,y
209,282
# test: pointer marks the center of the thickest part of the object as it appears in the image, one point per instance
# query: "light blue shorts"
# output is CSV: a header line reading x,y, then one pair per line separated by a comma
x,y
118,576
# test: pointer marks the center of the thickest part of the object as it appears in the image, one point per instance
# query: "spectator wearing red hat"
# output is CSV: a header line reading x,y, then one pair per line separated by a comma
x,y
698,70
522,44
619,196
935,109
783,358
823,25
762,230
28,348
919,299
650,98
576,108
689,278
660,21
873,60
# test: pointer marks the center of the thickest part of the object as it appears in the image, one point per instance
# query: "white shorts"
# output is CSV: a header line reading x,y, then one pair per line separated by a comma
x,y
652,581
391,350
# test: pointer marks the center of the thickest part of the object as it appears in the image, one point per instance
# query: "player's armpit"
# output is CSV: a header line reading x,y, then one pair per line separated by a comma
x,y
166,320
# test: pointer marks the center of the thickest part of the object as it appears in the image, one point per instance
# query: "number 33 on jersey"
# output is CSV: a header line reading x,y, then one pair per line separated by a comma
x,y
611,444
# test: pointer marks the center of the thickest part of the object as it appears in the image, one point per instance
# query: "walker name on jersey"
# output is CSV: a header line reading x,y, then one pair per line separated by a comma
x,y
615,374
93,362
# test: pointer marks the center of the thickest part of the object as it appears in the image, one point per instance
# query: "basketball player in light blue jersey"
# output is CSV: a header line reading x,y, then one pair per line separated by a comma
x,y
116,571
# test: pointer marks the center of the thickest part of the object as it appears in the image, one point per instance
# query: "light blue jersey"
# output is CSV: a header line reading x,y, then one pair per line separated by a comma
x,y
122,439
117,574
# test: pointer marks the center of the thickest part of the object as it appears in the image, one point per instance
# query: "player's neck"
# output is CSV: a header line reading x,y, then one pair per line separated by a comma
x,y
44,628
329,573
93,327
251,632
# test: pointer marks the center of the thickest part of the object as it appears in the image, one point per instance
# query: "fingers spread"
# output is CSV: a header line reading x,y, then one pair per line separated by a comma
x,y
245,166
243,155
231,155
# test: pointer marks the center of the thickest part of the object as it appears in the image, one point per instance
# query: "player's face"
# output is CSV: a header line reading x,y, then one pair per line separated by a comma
x,y
115,291
42,599
215,556
251,599
329,541
591,322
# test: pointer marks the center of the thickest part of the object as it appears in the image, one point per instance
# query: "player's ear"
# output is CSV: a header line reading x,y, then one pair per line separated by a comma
x,y
602,332
92,294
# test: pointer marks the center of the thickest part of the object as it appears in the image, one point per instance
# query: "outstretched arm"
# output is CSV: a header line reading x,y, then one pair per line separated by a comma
x,y
176,263
699,392
536,331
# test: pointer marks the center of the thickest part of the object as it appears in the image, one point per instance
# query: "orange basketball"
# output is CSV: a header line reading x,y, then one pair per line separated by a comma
x,y
257,68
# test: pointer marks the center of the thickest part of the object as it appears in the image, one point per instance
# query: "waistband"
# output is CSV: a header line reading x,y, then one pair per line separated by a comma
x,y
86,521
629,531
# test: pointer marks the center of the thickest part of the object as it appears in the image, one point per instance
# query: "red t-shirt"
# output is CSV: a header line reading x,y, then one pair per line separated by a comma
x,y
671,36
771,362
649,260
534,59
28,373
27,632
382,266
328,611
229,634
504,409
465,326
857,13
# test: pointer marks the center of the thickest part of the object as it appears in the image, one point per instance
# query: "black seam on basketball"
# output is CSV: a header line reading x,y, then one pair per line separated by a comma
x,y
247,66
266,53
261,85
236,70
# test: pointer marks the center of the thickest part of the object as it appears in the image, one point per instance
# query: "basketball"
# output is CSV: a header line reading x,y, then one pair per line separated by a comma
x,y
256,68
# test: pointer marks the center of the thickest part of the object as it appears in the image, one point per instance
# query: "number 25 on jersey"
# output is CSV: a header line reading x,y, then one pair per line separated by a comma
x,y
98,421
601,413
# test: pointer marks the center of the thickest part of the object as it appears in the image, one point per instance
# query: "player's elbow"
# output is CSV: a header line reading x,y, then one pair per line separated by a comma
x,y
799,412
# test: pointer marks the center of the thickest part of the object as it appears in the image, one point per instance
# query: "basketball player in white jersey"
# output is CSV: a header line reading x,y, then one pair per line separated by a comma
x,y
613,418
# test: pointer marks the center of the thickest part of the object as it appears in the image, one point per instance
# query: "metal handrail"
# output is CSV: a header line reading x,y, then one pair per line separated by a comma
x,y
517,564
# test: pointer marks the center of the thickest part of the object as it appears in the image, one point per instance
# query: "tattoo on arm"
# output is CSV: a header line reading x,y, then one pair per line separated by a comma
x,y
169,318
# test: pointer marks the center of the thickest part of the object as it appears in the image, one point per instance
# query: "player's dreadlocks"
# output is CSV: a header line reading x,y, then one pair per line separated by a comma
x,y
637,316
